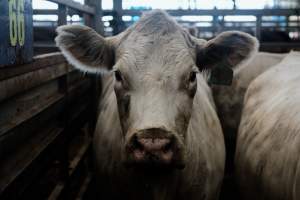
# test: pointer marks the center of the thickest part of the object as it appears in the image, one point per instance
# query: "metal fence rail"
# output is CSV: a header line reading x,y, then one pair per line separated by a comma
x,y
283,20
91,13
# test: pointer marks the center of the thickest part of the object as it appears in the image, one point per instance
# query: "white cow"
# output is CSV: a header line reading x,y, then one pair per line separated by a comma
x,y
268,146
158,135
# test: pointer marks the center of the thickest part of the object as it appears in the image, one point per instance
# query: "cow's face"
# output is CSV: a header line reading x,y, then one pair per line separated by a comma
x,y
156,65
155,83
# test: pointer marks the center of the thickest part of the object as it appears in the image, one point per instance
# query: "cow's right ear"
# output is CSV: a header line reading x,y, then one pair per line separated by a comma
x,y
85,49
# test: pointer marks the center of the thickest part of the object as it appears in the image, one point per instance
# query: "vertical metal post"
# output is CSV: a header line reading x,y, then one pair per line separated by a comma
x,y
234,4
117,22
215,25
63,88
88,19
95,90
258,27
287,20
96,20
98,16
117,6
62,15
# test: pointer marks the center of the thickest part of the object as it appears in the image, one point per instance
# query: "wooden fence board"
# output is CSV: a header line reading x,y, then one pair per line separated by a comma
x,y
18,163
41,61
29,80
25,106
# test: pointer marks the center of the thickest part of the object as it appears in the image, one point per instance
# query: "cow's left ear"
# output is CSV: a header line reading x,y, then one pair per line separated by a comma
x,y
85,49
224,52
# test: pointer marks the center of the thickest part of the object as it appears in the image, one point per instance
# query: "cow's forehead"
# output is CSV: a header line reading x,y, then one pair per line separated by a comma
x,y
156,41
162,57
155,23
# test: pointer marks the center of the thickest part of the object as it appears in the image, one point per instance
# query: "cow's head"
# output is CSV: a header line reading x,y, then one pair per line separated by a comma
x,y
156,66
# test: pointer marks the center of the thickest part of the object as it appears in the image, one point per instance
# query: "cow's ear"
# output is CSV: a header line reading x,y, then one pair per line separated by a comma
x,y
224,52
85,49
232,47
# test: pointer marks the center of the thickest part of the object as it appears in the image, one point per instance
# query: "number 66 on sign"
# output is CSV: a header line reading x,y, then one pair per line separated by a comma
x,y
16,22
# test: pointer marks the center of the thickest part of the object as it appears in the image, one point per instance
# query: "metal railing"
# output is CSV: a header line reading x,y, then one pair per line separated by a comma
x,y
283,20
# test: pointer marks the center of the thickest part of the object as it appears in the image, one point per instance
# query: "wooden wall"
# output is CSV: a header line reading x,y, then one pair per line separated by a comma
x,y
47,110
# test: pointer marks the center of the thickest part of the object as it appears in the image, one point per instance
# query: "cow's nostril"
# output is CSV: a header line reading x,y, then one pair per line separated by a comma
x,y
168,146
136,144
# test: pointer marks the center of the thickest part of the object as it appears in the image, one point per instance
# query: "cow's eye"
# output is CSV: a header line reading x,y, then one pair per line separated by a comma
x,y
118,75
192,76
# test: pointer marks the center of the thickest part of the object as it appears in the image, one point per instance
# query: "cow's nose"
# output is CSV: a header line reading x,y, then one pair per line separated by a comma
x,y
153,146
153,150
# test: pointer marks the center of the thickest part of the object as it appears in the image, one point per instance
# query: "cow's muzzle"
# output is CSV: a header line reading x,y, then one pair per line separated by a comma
x,y
154,147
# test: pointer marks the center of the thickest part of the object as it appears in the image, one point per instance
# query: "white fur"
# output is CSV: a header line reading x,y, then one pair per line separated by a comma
x,y
267,155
